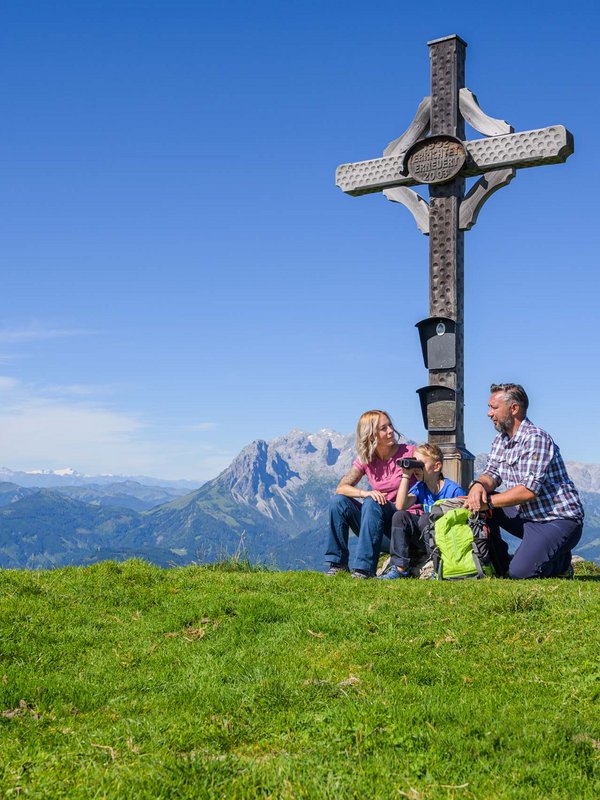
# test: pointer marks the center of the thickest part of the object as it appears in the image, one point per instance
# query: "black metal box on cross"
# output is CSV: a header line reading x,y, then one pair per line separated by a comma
x,y
438,342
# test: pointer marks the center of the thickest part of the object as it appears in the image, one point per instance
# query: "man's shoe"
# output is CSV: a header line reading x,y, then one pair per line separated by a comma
x,y
568,574
335,569
395,572
361,574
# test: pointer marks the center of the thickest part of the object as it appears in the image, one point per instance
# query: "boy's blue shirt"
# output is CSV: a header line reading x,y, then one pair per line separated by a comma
x,y
425,498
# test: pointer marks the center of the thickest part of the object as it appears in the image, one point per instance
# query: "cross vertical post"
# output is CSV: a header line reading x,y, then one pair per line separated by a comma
x,y
446,245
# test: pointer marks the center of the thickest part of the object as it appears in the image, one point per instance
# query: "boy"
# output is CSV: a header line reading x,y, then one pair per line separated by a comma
x,y
407,529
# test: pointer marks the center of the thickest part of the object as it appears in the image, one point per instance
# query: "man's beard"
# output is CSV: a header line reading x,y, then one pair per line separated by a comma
x,y
504,425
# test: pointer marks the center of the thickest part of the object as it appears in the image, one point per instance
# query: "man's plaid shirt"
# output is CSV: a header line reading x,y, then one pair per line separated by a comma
x,y
531,459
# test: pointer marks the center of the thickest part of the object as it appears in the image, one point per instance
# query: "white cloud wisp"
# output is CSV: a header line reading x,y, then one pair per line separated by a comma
x,y
40,430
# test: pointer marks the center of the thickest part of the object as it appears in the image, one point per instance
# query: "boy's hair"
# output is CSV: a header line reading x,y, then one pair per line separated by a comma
x,y
431,451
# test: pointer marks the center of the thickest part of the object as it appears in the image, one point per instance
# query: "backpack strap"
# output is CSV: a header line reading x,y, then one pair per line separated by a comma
x,y
477,562
478,527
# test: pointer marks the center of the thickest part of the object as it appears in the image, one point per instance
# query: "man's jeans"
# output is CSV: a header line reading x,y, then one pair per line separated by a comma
x,y
545,549
371,522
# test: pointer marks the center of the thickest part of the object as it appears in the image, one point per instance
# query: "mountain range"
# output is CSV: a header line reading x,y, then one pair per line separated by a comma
x,y
49,478
270,504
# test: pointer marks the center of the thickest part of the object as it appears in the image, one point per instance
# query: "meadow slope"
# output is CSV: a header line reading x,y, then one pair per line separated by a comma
x,y
127,680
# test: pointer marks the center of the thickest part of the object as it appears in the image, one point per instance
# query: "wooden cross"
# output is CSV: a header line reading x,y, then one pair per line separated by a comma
x,y
433,152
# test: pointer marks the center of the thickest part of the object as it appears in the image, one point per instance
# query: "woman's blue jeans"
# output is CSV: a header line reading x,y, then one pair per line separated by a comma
x,y
371,522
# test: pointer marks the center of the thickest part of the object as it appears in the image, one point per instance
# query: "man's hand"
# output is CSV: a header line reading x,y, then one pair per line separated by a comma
x,y
379,497
476,498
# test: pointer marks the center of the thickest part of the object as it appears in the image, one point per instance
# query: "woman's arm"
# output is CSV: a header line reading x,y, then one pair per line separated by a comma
x,y
347,486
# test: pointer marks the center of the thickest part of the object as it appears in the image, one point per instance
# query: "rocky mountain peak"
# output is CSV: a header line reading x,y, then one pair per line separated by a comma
x,y
292,476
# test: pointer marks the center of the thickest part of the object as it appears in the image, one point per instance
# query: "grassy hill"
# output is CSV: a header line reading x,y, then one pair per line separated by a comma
x,y
125,680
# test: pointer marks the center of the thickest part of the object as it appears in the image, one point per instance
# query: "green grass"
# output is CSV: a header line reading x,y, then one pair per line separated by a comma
x,y
207,682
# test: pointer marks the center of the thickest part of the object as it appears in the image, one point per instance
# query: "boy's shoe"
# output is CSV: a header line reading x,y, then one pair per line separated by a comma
x,y
361,574
395,572
335,569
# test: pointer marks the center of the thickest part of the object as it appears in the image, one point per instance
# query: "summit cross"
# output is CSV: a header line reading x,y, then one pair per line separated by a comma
x,y
433,152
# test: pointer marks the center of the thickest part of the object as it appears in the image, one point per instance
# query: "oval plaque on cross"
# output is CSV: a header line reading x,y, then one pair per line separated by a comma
x,y
437,159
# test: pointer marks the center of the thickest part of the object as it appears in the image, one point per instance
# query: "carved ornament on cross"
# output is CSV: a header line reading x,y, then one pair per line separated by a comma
x,y
418,159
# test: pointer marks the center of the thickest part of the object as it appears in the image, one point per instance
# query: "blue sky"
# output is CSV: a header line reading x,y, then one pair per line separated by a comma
x,y
180,273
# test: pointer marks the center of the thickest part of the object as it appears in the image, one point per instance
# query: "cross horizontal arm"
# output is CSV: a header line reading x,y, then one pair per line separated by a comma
x,y
552,145
365,177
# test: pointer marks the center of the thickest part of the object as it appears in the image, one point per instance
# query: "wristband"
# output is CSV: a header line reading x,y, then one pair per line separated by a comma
x,y
490,504
472,484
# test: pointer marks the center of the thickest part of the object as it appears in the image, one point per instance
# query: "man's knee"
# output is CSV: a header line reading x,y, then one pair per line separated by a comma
x,y
526,564
521,570
546,546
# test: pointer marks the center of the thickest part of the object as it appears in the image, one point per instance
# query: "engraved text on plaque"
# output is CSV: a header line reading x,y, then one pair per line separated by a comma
x,y
437,159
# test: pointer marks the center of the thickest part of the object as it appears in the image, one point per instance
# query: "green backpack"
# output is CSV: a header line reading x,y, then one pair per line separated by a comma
x,y
459,541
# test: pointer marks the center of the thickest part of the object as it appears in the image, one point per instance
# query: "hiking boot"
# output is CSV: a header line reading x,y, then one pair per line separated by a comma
x,y
568,574
394,572
335,569
361,574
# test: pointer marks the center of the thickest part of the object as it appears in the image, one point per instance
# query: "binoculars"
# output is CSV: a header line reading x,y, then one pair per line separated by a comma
x,y
409,463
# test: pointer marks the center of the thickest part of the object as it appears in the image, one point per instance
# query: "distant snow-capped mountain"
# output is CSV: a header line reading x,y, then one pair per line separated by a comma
x,y
67,476
61,472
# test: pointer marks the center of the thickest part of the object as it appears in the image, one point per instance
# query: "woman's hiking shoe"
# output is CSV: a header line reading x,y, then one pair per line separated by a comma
x,y
361,574
394,572
335,569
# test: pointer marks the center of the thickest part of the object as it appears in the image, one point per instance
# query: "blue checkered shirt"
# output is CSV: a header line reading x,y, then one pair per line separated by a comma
x,y
531,459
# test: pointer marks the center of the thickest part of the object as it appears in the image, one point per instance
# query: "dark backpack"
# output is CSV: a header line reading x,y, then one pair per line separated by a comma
x,y
459,541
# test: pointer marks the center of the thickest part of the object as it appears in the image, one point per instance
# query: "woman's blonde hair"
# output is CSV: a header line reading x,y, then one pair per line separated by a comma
x,y
366,434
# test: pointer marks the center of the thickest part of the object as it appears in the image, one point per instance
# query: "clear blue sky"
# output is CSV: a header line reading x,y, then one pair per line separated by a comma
x,y
180,273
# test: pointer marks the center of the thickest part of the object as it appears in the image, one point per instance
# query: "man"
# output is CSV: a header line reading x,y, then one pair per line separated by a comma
x,y
539,503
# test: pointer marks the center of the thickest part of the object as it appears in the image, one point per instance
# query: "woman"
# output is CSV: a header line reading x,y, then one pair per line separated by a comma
x,y
371,521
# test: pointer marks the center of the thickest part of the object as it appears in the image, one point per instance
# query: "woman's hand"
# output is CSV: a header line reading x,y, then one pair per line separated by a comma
x,y
379,497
